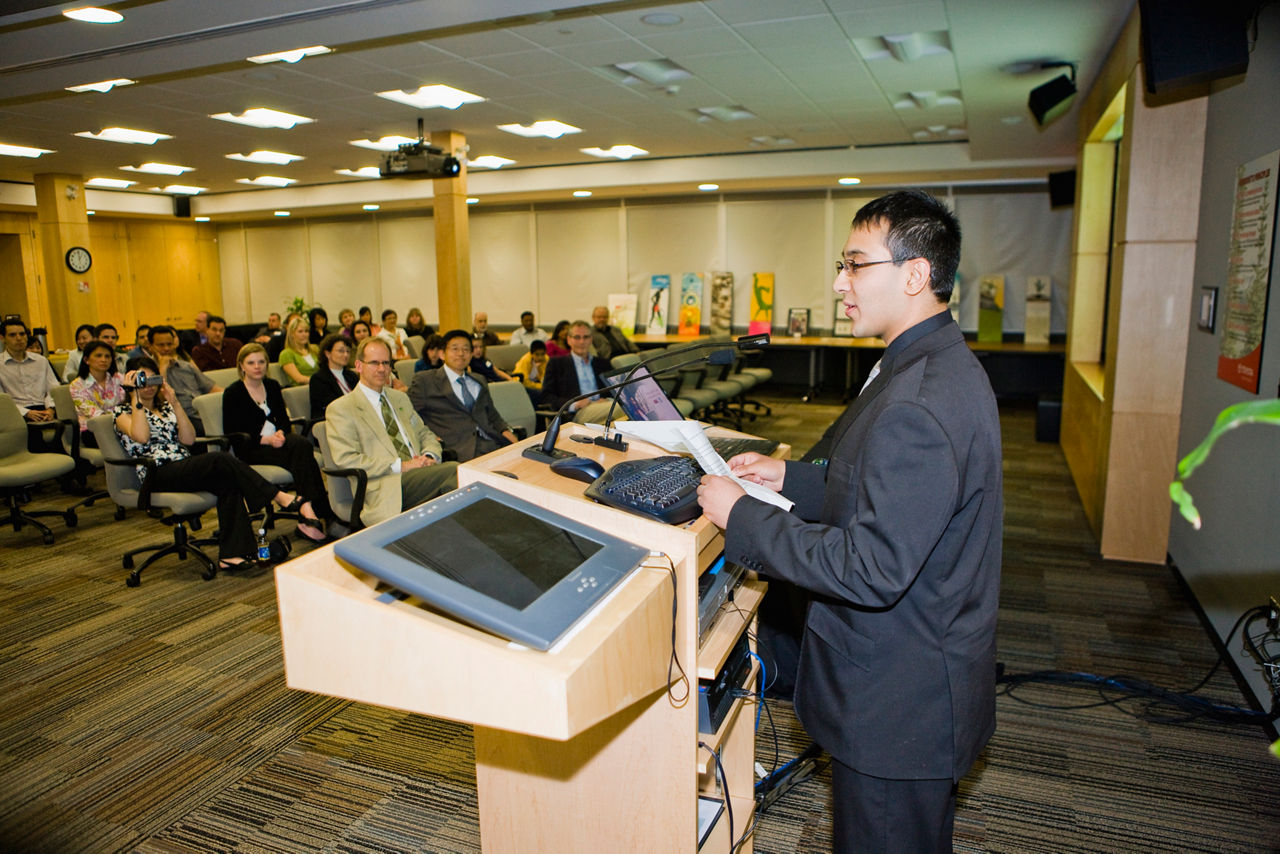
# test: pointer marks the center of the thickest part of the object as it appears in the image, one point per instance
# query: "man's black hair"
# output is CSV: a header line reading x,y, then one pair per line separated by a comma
x,y
455,333
920,226
434,341
536,345
213,318
101,327
387,311
525,314
14,321
160,329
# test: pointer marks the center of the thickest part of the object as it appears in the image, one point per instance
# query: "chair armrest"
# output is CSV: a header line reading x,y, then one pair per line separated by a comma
x,y
58,425
448,455
215,440
149,463
357,500
74,426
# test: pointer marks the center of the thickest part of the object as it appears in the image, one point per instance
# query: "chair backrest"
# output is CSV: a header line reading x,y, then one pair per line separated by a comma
x,y
341,489
13,427
513,404
624,360
505,356
223,377
65,409
404,369
209,408
414,344
297,402
276,372
122,481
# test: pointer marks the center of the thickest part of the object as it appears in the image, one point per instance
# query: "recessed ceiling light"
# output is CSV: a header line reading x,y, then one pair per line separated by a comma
x,y
137,137
267,181
158,168
22,150
848,181
109,183
202,219
184,189
102,85
386,143
490,161
281,213
291,56
472,200
276,158
549,128
733,113
428,97
90,213
93,15
581,194
655,72
263,117
706,188
371,207
661,19
362,172
621,152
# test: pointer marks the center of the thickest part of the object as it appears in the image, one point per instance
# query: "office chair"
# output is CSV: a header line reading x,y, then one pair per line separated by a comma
x,y
346,487
86,459
20,469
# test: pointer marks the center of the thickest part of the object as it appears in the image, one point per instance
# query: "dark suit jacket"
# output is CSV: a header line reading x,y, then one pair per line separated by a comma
x,y
561,380
240,414
325,389
897,670
433,398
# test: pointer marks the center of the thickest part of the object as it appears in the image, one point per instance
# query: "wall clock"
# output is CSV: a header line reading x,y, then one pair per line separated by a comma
x,y
78,259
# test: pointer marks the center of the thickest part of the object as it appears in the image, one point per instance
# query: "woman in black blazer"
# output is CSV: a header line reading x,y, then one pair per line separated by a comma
x,y
333,378
254,406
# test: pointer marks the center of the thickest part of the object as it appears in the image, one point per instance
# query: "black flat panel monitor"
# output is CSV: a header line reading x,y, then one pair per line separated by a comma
x,y
495,561
644,399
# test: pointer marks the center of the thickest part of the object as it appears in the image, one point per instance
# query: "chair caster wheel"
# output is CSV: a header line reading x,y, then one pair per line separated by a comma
x,y
209,573
48,539
133,580
119,513
71,519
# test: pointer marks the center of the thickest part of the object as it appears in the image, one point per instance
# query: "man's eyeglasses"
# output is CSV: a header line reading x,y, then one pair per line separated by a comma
x,y
850,267
378,364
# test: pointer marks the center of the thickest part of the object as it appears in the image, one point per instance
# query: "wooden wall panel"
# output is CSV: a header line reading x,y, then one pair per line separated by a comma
x,y
1135,524
1080,434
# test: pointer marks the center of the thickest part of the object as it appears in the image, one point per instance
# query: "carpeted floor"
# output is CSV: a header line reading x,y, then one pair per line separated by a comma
x,y
156,719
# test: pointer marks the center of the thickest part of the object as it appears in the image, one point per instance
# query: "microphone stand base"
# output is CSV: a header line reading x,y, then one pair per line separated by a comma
x,y
535,452
615,443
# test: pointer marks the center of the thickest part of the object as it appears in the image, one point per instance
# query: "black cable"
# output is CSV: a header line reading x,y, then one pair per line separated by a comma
x,y
674,661
724,788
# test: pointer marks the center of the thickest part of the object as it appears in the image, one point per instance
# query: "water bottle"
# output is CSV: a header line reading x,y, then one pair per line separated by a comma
x,y
264,549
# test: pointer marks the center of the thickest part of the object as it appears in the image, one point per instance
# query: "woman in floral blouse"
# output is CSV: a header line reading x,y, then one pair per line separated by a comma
x,y
97,389
151,423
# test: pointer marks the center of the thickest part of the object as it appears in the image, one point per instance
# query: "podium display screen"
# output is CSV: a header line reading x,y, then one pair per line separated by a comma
x,y
495,561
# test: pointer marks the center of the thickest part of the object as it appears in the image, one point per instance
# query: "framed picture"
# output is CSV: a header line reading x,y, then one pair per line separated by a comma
x,y
798,322
1208,308
841,327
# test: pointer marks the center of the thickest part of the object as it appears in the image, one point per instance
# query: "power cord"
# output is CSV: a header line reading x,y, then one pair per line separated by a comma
x,y
673,663
724,789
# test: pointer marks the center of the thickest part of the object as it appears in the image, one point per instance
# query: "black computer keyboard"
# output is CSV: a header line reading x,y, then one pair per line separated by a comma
x,y
662,488
728,448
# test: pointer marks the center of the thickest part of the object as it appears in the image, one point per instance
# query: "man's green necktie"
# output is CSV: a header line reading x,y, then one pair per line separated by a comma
x,y
393,430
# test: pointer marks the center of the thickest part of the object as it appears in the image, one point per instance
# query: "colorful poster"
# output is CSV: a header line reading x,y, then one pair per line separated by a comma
x,y
690,304
991,309
1248,272
1039,303
622,313
659,291
761,318
721,321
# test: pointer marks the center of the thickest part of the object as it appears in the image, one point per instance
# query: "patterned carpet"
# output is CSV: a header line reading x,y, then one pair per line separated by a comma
x,y
156,719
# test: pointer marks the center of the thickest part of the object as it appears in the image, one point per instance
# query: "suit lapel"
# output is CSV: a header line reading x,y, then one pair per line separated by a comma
x,y
373,420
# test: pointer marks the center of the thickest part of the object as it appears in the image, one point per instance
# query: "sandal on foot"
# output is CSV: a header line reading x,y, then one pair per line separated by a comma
x,y
313,524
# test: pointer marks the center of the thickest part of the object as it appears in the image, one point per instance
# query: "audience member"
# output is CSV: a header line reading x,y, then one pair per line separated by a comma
x,y
346,317
25,376
319,321
481,365
153,423
416,324
140,339
457,405
300,358
97,389
481,329
109,335
558,344
432,354
186,380
393,335
253,412
35,346
366,314
218,351
360,330
84,334
575,374
334,379
609,340
527,333
271,330
532,366
190,339
276,345
376,429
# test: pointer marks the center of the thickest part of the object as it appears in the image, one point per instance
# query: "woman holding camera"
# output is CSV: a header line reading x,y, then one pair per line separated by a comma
x,y
253,407
151,423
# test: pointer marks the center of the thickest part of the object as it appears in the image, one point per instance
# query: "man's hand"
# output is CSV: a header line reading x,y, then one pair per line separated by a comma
x,y
420,461
38,415
757,468
717,495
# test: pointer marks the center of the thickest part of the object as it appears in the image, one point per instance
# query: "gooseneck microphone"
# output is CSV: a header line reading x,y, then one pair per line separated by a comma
x,y
547,452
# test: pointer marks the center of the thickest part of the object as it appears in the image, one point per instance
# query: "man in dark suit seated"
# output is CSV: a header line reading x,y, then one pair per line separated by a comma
x,y
574,374
897,535
456,403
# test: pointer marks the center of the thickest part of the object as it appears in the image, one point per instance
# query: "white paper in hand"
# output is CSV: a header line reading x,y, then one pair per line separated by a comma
x,y
712,463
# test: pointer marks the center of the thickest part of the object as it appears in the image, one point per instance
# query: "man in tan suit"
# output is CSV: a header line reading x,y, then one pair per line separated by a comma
x,y
375,428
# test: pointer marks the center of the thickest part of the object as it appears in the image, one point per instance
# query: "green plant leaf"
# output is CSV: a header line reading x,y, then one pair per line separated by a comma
x,y
1249,412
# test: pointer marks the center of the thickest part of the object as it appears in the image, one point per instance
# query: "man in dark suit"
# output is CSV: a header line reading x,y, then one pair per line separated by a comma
x,y
574,374
898,538
456,403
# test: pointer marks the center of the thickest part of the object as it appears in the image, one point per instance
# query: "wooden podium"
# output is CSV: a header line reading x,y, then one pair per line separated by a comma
x,y
580,748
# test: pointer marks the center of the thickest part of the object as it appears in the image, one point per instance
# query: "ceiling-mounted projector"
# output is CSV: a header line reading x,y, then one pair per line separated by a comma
x,y
419,159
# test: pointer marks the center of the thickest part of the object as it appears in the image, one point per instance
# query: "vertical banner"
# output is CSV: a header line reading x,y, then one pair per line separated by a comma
x,y
622,313
1248,272
761,318
1039,302
659,291
690,304
721,321
991,309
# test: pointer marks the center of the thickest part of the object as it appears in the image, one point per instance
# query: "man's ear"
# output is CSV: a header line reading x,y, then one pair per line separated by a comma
x,y
919,273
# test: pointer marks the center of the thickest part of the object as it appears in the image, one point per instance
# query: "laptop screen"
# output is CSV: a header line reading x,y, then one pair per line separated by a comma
x,y
643,399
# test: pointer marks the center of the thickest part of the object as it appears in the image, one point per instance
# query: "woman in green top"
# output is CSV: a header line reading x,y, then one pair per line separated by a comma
x,y
299,358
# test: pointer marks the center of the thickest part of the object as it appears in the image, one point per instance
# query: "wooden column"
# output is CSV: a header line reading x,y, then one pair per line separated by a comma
x,y
63,219
453,240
